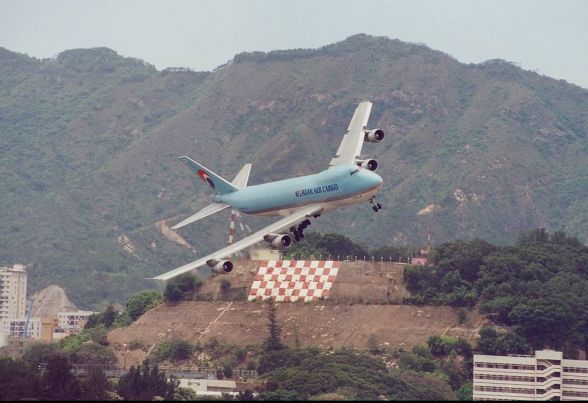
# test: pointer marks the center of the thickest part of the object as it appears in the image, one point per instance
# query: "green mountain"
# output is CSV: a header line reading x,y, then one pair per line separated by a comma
x,y
89,140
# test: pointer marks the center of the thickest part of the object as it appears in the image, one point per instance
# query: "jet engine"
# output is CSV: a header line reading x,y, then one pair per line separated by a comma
x,y
220,266
372,165
278,241
373,136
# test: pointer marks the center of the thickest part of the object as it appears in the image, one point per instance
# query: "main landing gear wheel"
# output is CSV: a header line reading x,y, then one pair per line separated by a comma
x,y
298,231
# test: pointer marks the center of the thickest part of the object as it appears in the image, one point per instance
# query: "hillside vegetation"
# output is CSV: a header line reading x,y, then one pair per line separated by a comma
x,y
89,142
537,286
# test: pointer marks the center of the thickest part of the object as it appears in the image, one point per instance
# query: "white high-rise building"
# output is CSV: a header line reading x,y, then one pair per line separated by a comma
x,y
13,292
544,376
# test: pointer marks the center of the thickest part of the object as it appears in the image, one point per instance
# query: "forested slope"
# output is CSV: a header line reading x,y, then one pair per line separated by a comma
x,y
89,142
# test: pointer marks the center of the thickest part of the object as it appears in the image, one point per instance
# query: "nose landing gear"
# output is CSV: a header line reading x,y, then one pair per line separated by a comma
x,y
376,206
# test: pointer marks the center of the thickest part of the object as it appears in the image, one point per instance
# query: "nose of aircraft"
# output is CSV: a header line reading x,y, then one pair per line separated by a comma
x,y
373,178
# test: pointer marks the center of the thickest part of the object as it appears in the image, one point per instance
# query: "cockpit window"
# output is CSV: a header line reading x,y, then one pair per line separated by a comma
x,y
354,172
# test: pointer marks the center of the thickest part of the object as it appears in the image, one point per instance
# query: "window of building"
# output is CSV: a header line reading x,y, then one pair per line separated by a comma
x,y
576,370
505,378
504,366
502,389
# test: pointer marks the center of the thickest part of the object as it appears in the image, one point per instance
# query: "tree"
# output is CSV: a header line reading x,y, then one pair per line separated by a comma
x,y
92,353
538,235
105,318
444,345
465,392
18,380
58,382
438,345
174,350
493,343
536,286
146,382
512,343
182,287
273,341
38,353
544,321
95,386
336,244
373,344
487,340
108,316
172,293
141,302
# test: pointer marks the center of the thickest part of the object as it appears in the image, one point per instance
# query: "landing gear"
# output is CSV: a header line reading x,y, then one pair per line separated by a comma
x,y
376,206
298,231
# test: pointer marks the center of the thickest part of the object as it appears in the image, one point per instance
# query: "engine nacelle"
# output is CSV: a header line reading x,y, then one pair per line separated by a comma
x,y
372,165
278,241
373,136
220,266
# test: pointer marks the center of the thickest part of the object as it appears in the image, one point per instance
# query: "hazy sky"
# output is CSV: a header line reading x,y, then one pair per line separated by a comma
x,y
548,36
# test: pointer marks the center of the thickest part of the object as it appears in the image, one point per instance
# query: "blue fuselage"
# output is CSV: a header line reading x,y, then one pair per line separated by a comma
x,y
333,187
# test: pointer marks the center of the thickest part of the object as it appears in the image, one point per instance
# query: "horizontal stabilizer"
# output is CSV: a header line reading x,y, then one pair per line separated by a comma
x,y
205,212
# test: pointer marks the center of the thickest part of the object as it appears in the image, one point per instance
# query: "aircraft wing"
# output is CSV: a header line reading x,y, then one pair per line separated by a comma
x,y
286,222
352,142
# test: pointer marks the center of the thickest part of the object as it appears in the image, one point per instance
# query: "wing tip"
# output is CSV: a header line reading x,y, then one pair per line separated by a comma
x,y
158,277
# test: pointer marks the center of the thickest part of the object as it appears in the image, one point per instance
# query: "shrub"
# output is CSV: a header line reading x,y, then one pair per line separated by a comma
x,y
462,315
173,350
225,285
141,302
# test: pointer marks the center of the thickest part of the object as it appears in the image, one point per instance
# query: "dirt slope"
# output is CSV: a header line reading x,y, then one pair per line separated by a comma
x,y
340,321
51,300
316,324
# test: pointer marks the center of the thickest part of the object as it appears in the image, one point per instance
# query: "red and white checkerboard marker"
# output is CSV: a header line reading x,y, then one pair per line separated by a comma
x,y
292,280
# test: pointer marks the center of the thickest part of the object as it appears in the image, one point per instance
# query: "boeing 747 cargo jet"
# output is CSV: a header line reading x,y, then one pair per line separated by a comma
x,y
348,180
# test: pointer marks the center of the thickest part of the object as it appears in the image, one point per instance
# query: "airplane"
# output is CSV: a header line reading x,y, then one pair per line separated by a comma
x,y
347,180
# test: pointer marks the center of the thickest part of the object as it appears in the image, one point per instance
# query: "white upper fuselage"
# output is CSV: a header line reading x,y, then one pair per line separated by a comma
x,y
336,186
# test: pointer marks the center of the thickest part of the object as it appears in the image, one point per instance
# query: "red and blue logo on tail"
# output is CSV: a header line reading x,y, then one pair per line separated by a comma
x,y
205,178
215,182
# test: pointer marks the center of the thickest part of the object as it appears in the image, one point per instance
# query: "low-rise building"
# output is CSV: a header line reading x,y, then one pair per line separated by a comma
x,y
210,387
74,321
18,327
543,376
36,328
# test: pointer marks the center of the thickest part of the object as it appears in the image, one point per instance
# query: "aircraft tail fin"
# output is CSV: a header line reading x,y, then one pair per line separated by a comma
x,y
242,177
213,180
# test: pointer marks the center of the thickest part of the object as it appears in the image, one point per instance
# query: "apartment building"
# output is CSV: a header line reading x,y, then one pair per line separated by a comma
x,y
13,292
17,327
543,376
